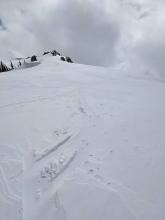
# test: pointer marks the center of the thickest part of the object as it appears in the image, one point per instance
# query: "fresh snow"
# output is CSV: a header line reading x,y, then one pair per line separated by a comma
x,y
81,142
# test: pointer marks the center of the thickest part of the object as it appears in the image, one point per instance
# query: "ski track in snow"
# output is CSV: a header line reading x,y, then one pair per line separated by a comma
x,y
6,188
51,150
27,102
16,202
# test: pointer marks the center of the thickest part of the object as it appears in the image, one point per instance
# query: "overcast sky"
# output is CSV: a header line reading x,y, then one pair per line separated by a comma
x,y
106,32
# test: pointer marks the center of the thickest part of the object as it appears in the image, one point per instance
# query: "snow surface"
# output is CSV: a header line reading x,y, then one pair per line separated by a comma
x,y
81,142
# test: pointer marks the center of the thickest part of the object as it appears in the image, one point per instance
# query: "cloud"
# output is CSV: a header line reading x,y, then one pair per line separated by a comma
x,y
79,29
15,38
147,47
93,32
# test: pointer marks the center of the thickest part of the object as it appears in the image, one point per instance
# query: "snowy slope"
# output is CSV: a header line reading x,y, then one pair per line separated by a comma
x,y
79,143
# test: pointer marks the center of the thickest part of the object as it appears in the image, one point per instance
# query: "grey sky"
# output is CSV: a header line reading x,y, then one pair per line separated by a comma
x,y
94,32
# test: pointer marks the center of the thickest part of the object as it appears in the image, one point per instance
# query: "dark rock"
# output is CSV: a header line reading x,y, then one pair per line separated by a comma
x,y
68,59
46,52
62,58
33,58
54,53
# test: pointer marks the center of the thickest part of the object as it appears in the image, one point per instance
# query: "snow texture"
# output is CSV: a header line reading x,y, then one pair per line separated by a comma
x,y
81,142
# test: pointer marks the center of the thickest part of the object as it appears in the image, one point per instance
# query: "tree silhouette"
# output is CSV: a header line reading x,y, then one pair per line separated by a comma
x,y
11,65
3,67
19,63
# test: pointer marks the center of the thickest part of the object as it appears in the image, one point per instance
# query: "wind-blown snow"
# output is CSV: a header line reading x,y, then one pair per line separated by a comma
x,y
80,142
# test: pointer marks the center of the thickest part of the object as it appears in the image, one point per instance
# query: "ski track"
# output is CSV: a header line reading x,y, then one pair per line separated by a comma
x,y
27,102
53,148
65,166
59,170
6,190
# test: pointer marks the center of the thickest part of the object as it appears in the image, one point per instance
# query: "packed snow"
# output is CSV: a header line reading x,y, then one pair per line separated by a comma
x,y
81,142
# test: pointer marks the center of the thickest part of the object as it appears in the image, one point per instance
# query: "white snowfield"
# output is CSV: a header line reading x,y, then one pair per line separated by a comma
x,y
81,143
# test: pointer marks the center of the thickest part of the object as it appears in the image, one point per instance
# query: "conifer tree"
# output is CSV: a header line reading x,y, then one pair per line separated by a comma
x,y
11,65
3,67
0,67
